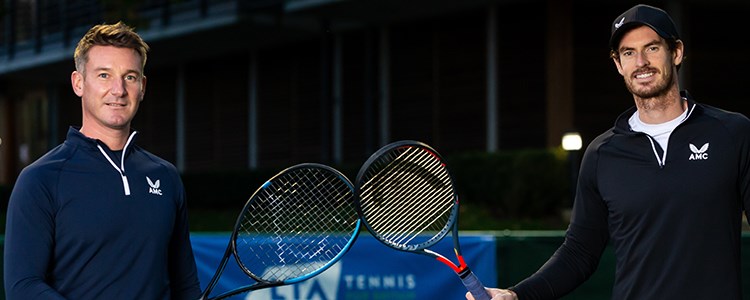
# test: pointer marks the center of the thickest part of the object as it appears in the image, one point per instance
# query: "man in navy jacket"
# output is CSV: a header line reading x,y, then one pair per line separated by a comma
x,y
98,217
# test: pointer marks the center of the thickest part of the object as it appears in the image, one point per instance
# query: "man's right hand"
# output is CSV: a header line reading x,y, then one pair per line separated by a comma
x,y
497,294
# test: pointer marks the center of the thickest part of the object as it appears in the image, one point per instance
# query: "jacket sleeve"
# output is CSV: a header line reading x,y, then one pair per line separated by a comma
x,y
29,238
585,240
743,143
182,270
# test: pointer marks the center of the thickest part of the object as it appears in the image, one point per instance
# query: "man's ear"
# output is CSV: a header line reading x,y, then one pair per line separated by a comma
x,y
143,88
76,81
679,52
618,65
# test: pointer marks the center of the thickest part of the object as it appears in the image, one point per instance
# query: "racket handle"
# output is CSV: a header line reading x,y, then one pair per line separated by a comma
x,y
475,287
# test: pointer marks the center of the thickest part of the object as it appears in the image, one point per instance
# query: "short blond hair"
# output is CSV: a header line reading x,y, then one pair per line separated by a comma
x,y
118,35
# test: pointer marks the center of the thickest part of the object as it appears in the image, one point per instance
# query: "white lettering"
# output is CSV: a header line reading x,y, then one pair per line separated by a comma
x,y
373,282
381,282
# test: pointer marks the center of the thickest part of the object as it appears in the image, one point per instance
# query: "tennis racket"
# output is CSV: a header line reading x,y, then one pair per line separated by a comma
x,y
295,226
407,200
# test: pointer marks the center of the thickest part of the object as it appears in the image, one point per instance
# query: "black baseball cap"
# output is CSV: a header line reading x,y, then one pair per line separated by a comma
x,y
639,15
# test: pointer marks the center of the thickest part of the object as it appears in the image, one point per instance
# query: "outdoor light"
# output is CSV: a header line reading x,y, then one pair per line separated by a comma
x,y
571,141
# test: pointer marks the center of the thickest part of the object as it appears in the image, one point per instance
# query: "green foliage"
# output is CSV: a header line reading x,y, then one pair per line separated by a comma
x,y
4,196
518,184
219,190
521,189
213,220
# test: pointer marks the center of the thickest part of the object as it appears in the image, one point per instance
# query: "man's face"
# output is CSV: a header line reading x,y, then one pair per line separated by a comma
x,y
111,87
646,63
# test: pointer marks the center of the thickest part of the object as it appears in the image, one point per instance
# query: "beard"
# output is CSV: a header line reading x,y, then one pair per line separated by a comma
x,y
653,97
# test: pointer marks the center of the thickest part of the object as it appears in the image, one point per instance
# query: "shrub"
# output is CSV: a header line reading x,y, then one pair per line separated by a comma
x,y
513,184
507,185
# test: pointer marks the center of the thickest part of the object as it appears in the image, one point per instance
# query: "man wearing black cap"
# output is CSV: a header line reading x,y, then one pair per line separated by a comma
x,y
665,186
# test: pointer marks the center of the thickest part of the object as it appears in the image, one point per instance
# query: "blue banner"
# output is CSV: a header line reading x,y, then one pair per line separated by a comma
x,y
369,271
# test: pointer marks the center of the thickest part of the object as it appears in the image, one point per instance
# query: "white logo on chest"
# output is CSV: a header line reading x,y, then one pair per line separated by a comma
x,y
699,154
154,186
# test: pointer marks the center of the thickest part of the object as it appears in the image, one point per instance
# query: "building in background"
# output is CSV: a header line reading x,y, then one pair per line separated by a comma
x,y
267,83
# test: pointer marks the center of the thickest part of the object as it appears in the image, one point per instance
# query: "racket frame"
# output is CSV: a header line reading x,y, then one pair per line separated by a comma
x,y
420,248
232,247
468,278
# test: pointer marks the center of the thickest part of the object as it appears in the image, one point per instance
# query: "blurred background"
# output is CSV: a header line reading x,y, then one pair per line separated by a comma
x,y
238,90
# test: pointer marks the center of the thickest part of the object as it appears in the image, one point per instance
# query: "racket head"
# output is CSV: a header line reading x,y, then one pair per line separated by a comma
x,y
406,196
296,225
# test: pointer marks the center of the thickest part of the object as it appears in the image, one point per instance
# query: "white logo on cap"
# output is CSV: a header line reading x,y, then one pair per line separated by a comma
x,y
618,24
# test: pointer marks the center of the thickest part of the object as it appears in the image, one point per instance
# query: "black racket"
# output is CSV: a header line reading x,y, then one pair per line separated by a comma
x,y
407,200
295,226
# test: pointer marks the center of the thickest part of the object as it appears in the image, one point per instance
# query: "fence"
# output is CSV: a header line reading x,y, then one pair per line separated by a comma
x,y
371,270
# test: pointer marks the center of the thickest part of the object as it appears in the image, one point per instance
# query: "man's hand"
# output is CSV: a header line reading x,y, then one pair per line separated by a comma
x,y
497,294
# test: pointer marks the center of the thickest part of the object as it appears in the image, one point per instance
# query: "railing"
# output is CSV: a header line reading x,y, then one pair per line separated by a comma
x,y
31,26
35,26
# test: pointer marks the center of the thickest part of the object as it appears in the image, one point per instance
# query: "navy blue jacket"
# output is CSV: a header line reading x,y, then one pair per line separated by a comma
x,y
83,223
674,223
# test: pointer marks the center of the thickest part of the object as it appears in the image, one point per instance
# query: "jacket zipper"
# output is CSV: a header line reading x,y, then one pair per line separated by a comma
x,y
663,159
660,160
121,168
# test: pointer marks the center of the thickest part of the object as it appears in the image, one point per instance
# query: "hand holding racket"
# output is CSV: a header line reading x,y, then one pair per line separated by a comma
x,y
407,201
295,226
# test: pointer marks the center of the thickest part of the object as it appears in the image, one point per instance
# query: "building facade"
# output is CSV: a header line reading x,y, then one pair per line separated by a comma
x,y
268,83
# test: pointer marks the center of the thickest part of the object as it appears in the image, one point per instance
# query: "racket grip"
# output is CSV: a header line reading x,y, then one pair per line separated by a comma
x,y
475,287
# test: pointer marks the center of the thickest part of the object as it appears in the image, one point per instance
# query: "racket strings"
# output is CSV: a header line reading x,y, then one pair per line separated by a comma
x,y
407,186
406,193
298,223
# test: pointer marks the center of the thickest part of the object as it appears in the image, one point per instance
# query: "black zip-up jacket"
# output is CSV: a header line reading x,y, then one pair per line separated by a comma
x,y
674,220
